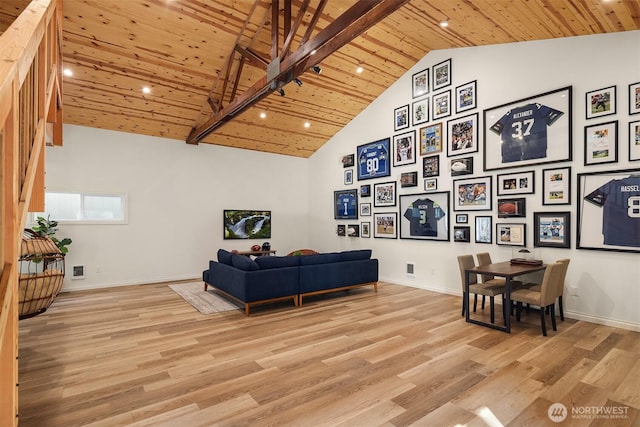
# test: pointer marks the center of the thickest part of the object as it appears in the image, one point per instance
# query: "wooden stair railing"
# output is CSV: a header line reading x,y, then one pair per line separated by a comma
x,y
30,108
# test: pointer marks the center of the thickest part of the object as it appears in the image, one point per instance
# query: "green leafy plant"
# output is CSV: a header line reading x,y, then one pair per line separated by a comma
x,y
47,228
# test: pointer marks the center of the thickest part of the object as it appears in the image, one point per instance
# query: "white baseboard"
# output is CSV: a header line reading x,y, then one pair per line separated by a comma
x,y
75,286
622,324
602,320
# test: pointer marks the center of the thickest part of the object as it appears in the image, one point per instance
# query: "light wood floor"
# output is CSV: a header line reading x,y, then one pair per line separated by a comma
x,y
142,356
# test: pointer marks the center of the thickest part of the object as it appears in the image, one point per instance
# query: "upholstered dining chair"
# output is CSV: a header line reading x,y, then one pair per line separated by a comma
x,y
560,290
466,262
484,258
545,297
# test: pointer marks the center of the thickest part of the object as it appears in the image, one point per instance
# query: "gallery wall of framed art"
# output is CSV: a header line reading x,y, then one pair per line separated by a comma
x,y
508,155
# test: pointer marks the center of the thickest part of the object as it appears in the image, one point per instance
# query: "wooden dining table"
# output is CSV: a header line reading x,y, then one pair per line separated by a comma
x,y
505,269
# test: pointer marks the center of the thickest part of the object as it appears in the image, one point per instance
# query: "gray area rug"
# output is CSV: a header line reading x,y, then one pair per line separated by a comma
x,y
206,302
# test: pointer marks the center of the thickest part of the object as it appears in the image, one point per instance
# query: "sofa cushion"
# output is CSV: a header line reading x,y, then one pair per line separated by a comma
x,y
319,258
355,255
224,257
245,263
267,262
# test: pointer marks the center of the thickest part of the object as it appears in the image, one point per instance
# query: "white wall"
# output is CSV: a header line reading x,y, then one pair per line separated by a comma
x,y
607,282
176,194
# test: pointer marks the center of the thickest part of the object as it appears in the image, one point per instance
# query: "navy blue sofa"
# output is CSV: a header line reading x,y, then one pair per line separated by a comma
x,y
276,278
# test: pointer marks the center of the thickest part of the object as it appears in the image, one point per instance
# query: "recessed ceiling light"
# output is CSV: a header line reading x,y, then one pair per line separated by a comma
x,y
359,70
307,124
263,115
444,24
146,89
67,72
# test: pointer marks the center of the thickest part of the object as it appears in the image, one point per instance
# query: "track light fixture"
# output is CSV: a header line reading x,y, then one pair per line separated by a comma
x,y
298,82
316,69
281,91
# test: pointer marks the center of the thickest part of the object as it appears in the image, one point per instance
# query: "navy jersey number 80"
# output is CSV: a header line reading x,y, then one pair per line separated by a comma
x,y
373,160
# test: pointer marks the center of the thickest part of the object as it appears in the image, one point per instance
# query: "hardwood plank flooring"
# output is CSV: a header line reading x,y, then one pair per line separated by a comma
x,y
142,356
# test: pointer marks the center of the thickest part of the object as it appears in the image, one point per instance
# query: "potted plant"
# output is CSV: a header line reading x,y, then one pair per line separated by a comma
x,y
47,228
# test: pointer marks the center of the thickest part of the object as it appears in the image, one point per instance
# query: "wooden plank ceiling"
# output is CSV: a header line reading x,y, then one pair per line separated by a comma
x,y
179,48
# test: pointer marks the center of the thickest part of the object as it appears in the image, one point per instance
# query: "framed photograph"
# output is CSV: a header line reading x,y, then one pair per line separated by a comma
x,y
462,135
472,194
552,229
516,133
425,216
634,140
441,105
348,161
353,230
420,111
609,211
430,166
601,143
431,139
634,98
384,194
365,209
556,186
348,177
385,225
404,148
374,159
345,204
462,218
420,83
401,118
466,97
462,166
365,190
246,224
516,183
511,234
484,229
430,184
462,234
442,74
601,102
341,230
508,208
365,229
409,179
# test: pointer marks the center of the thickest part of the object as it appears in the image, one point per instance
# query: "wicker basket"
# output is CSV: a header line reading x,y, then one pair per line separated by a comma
x,y
41,274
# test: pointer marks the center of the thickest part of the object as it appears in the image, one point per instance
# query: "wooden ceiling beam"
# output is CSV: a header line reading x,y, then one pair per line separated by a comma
x,y
314,21
353,22
291,32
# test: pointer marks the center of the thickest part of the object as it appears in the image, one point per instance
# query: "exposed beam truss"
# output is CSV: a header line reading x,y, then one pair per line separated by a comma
x,y
285,65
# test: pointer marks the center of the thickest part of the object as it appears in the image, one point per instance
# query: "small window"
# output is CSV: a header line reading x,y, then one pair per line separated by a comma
x,y
81,208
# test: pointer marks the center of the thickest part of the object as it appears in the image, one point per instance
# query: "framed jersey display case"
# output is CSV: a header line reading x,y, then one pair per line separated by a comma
x,y
425,216
609,210
374,159
345,204
530,131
